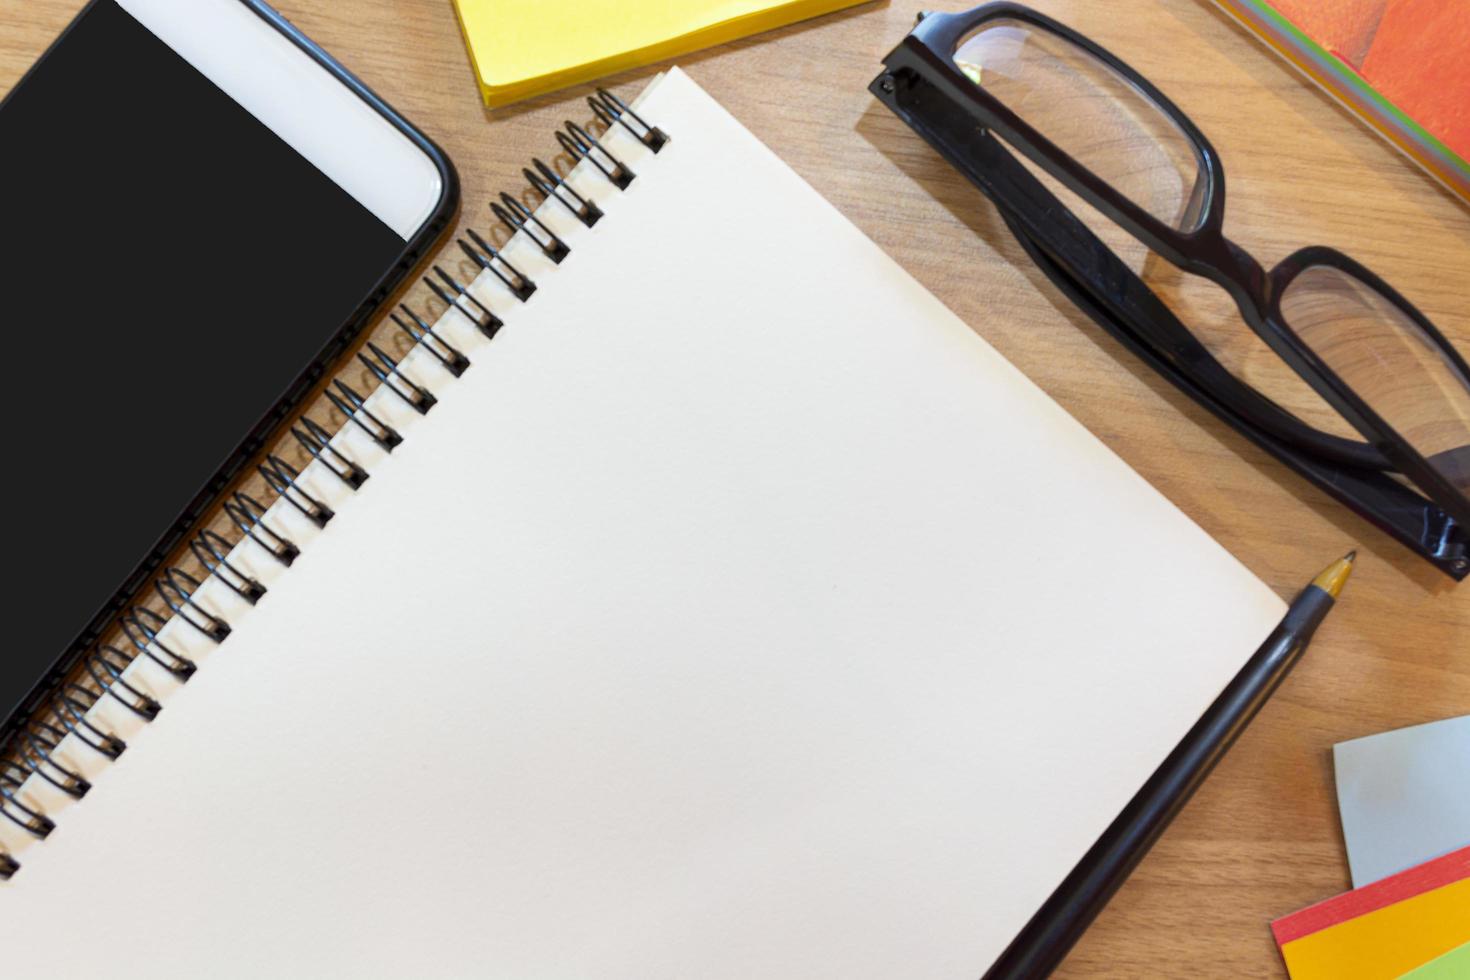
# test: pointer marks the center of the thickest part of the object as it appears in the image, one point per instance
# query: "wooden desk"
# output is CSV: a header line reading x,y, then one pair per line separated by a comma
x,y
1262,837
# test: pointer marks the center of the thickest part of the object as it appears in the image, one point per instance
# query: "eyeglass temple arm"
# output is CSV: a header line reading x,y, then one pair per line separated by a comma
x,y
1410,519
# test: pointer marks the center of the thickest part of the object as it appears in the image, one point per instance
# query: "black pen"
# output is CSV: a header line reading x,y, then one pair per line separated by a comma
x,y
1059,923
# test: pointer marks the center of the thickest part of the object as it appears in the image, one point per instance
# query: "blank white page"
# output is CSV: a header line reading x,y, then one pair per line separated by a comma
x,y
712,626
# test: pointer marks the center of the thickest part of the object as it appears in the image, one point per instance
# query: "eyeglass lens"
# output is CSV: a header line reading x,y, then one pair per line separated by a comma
x,y
1092,113
1121,135
1392,364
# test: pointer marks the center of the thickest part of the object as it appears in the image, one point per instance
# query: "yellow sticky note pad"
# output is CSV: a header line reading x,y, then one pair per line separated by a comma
x,y
1388,942
524,49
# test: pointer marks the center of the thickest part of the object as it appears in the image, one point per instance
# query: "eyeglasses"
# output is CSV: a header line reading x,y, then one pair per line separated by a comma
x,y
1002,79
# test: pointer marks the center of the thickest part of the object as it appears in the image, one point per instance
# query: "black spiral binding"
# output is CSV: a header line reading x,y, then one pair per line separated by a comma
x,y
464,301
106,665
486,257
282,478
248,514
38,741
34,748
385,369
552,187
317,441
210,549
612,111
12,777
420,332
519,218
347,401
141,626
582,146
176,588
72,705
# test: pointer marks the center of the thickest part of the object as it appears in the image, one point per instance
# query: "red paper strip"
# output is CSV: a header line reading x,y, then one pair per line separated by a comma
x,y
1428,876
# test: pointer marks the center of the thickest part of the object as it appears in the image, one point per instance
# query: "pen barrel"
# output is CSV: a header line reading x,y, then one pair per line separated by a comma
x,y
1050,934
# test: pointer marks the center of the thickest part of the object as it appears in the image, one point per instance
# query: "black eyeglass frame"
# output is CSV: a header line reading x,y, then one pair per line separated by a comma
x,y
924,86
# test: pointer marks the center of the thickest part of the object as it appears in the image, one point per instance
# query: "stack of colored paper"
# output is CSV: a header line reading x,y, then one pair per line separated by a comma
x,y
1413,924
524,49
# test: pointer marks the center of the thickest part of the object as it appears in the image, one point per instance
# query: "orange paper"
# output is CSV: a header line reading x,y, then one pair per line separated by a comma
x,y
1420,61
1345,28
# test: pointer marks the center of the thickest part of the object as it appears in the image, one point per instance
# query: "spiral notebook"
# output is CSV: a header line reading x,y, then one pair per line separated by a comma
x,y
702,623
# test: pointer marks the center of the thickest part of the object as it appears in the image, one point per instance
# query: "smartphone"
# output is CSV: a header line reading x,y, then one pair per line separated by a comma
x,y
199,210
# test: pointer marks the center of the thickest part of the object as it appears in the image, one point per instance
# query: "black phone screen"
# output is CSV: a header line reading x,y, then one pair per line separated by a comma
x,y
170,267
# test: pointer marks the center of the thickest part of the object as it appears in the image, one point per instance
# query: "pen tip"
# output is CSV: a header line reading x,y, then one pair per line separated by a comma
x,y
1335,576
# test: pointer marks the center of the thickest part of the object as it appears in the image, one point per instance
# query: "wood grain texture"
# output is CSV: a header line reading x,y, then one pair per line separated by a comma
x,y
1261,839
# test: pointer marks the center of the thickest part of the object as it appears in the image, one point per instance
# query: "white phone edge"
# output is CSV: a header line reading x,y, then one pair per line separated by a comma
x,y
301,102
